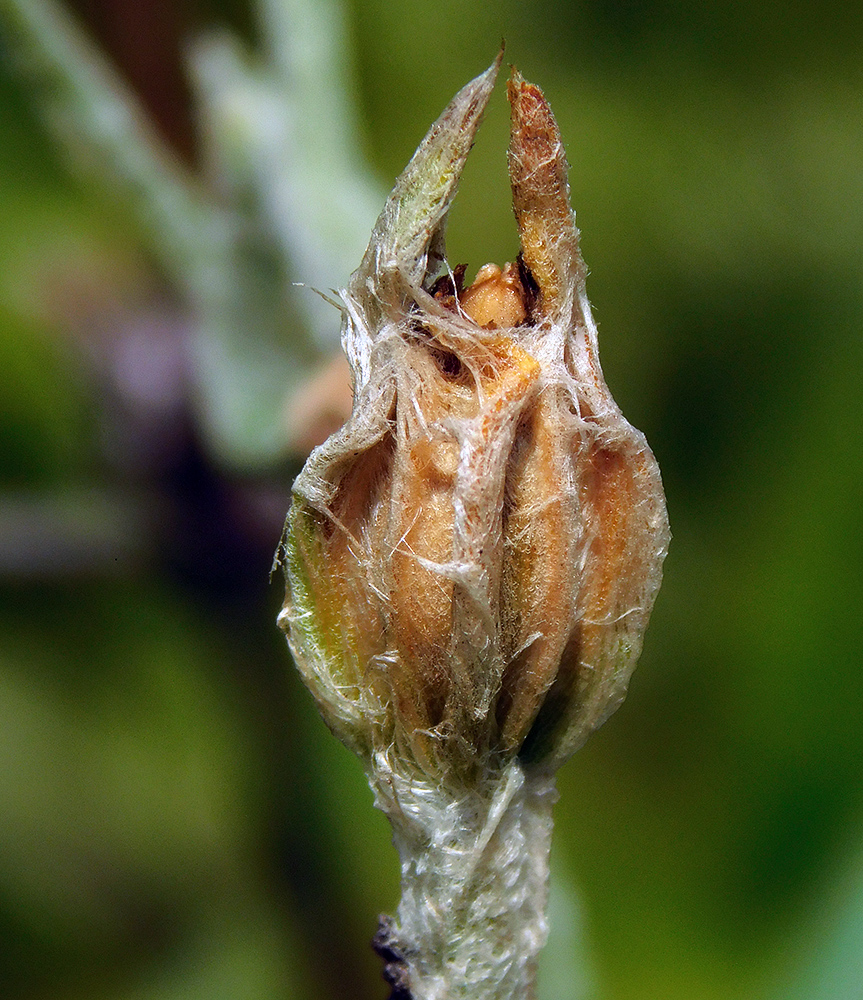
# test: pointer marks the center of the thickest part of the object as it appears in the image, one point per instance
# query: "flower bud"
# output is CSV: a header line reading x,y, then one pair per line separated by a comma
x,y
472,559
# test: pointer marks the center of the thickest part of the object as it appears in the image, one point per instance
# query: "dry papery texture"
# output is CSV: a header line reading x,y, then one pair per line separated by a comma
x,y
473,557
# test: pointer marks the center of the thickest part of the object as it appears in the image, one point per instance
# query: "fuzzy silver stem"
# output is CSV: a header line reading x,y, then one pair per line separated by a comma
x,y
472,917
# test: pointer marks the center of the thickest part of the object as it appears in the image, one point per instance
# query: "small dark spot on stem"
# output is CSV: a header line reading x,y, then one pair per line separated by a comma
x,y
531,288
450,364
396,973
448,286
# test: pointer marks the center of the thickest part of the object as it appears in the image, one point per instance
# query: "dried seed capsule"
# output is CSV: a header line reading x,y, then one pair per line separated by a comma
x,y
473,558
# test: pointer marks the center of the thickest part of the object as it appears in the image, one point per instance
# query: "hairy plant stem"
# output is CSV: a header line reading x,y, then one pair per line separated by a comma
x,y
474,863
472,559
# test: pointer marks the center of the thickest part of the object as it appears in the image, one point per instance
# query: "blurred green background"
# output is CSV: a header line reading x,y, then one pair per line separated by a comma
x,y
175,821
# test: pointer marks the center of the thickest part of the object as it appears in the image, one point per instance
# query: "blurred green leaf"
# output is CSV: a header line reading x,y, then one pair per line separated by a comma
x,y
833,945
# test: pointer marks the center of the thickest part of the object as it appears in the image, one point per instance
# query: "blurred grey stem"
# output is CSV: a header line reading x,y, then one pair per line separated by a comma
x,y
283,198
96,115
